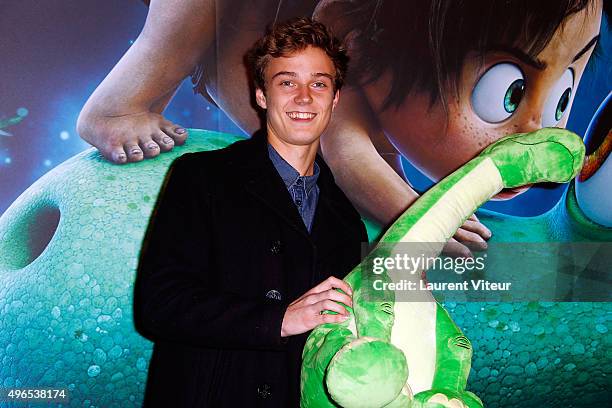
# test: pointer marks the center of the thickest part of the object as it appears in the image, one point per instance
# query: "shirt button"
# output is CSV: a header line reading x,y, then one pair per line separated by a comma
x,y
298,202
264,391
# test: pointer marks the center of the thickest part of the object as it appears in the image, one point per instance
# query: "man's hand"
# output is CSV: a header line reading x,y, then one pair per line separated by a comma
x,y
304,313
472,235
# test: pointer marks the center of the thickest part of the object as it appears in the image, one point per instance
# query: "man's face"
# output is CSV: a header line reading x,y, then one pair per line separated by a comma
x,y
299,96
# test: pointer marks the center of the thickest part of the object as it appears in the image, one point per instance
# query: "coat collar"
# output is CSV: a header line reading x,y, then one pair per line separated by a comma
x,y
254,166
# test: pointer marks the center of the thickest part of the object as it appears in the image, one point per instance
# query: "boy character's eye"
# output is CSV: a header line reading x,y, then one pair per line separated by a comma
x,y
498,92
558,100
319,84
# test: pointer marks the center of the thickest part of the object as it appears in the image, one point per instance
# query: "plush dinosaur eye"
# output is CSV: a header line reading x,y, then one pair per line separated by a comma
x,y
498,93
558,101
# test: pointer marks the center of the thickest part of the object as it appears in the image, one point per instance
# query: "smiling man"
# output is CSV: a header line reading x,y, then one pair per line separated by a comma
x,y
299,94
247,245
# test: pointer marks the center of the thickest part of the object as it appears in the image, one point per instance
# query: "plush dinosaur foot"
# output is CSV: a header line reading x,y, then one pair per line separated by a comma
x,y
366,372
446,399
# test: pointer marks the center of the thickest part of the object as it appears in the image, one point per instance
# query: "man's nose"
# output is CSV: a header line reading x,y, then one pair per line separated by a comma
x,y
303,95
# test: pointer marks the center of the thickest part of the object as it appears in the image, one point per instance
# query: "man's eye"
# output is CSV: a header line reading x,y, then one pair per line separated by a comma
x,y
286,83
319,85
498,93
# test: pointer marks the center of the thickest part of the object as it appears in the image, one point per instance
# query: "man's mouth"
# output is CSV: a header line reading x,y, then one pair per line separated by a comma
x,y
301,116
508,193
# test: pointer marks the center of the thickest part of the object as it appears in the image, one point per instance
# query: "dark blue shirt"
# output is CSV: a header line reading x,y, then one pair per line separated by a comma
x,y
303,189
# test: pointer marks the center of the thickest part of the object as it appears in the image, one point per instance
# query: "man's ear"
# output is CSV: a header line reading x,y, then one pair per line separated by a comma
x,y
335,101
260,98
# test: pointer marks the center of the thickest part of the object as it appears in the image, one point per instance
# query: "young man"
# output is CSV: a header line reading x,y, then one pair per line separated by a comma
x,y
247,244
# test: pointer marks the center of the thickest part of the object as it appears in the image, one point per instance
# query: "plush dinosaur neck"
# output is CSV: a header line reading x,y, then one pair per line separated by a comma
x,y
549,154
436,220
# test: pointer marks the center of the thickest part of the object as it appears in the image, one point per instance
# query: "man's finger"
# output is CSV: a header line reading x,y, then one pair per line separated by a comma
x,y
331,294
334,295
340,284
331,318
330,283
331,306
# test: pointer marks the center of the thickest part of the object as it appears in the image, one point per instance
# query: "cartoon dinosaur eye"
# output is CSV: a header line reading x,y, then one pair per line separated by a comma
x,y
558,101
498,93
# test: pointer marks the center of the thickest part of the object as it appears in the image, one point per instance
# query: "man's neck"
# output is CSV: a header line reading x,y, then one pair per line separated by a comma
x,y
300,157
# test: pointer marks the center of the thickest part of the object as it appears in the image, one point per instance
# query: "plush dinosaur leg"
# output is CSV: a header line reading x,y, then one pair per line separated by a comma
x,y
320,348
331,346
353,377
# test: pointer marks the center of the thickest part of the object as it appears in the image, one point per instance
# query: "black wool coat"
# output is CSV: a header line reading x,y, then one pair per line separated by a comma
x,y
225,253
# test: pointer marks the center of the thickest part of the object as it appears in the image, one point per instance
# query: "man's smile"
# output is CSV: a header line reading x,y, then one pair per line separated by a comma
x,y
301,116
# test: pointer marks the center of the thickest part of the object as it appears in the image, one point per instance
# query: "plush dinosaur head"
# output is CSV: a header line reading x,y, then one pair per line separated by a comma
x,y
550,154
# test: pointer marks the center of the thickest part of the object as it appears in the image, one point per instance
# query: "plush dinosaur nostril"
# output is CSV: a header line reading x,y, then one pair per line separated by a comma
x,y
386,307
462,341
28,235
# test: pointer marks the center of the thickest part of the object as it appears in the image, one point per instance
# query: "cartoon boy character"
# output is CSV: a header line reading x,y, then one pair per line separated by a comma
x,y
441,80
434,81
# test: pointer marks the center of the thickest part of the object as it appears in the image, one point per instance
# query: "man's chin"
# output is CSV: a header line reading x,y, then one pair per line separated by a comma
x,y
509,193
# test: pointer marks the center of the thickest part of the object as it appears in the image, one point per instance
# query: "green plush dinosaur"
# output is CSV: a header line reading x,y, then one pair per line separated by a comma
x,y
410,354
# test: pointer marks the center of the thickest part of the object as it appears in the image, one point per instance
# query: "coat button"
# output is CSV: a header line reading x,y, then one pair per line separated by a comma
x,y
276,247
274,294
264,391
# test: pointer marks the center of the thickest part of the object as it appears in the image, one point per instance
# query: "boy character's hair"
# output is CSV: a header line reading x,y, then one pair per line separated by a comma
x,y
423,43
283,39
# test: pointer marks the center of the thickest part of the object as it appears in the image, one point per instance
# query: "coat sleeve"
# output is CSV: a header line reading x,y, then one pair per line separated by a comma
x,y
174,299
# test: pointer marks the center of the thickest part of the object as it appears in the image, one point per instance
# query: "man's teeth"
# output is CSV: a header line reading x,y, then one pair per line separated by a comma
x,y
301,115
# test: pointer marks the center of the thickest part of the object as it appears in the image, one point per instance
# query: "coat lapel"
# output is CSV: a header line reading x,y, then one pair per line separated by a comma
x,y
271,191
332,209
263,181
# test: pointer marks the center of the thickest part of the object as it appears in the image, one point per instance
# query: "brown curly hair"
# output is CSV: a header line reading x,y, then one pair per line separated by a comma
x,y
293,35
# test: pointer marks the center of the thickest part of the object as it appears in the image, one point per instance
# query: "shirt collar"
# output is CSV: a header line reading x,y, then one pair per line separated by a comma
x,y
289,174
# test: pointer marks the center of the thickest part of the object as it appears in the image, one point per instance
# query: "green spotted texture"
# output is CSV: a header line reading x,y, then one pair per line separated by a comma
x,y
66,295
66,313
540,354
